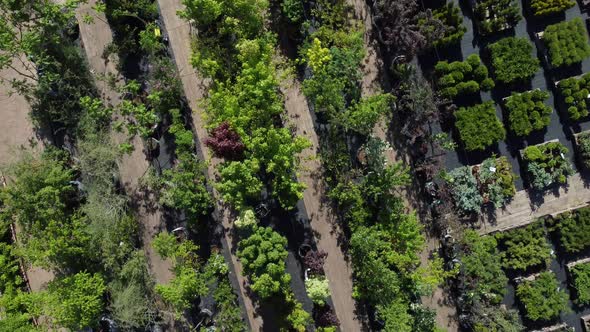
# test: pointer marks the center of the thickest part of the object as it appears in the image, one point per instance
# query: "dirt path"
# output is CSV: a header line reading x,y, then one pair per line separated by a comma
x,y
194,88
95,37
327,231
17,132
372,72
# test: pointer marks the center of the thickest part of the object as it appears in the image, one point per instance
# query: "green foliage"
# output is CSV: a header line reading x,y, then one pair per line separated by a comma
x,y
461,78
239,182
527,111
512,60
581,282
292,10
229,316
298,318
465,190
451,18
546,164
542,298
541,8
317,289
573,229
75,302
525,247
481,268
263,256
583,143
494,318
575,91
496,15
247,220
362,117
479,127
567,42
396,316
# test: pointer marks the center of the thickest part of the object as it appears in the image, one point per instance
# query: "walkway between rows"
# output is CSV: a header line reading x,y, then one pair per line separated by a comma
x,y
373,71
321,217
523,210
95,37
194,88
16,132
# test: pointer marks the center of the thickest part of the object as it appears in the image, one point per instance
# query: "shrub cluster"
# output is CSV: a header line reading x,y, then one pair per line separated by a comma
x,y
542,298
546,7
575,91
492,181
527,111
463,77
478,126
573,229
567,42
583,143
547,164
496,15
525,247
512,60
451,19
581,282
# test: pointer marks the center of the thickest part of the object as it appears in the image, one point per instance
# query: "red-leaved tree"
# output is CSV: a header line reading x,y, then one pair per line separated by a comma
x,y
225,142
314,260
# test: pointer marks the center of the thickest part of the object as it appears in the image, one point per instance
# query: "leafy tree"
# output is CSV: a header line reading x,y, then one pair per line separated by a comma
x,y
314,261
229,316
297,318
525,246
567,42
225,142
512,60
263,256
485,318
581,282
239,181
396,316
447,18
542,298
75,302
246,220
527,111
364,115
317,289
479,127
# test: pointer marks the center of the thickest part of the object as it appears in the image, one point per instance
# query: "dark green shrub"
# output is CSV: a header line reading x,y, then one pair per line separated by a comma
x,y
512,60
546,7
575,91
567,42
463,77
481,268
583,142
527,111
581,282
525,247
542,298
573,229
496,15
479,127
451,19
547,164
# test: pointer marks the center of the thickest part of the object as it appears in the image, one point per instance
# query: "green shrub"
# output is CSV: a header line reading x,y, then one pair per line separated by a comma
x,y
463,77
317,289
465,190
527,111
547,164
573,229
496,15
481,267
542,298
575,91
512,60
546,7
581,282
525,247
479,127
584,148
566,42
452,20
